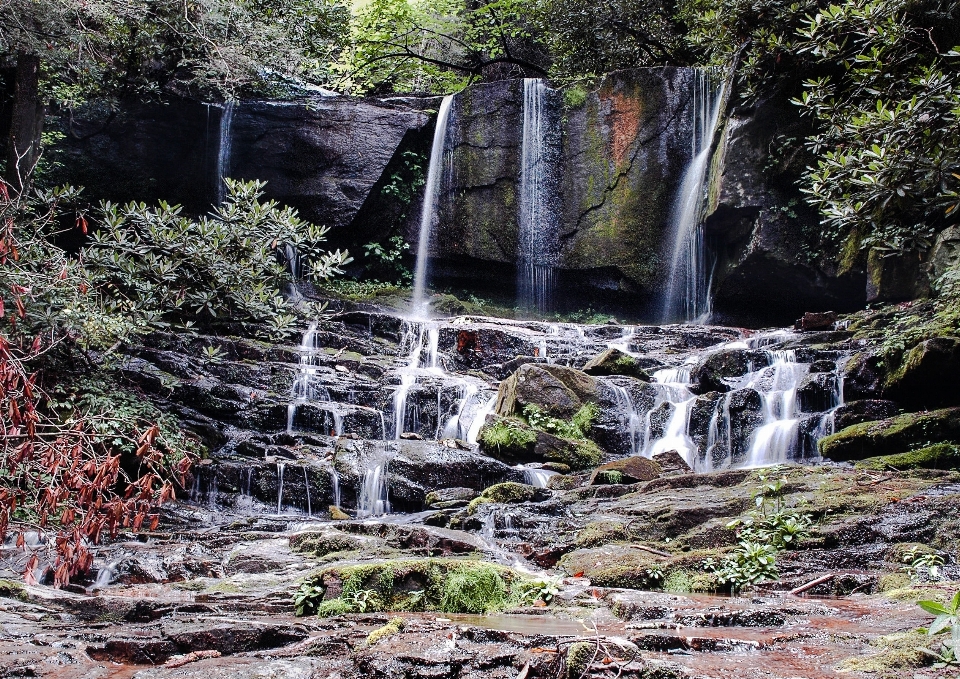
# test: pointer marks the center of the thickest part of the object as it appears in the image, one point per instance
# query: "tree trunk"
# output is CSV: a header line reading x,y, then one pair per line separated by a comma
x,y
23,146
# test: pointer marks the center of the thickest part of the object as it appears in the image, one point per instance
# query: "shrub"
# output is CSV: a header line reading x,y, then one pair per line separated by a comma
x,y
155,264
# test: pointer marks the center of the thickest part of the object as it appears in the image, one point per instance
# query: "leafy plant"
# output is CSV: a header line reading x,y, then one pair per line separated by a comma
x,y
155,264
308,598
750,563
917,562
576,428
947,622
386,261
532,591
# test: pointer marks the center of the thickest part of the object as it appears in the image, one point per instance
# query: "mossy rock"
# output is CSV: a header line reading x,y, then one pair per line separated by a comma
x,y
892,436
895,654
628,470
600,533
432,584
937,456
927,376
575,454
557,390
615,362
579,656
508,439
507,492
326,542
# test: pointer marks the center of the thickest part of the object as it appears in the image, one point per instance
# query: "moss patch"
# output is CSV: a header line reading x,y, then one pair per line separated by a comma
x,y
892,436
503,493
395,626
508,435
895,653
937,456
443,585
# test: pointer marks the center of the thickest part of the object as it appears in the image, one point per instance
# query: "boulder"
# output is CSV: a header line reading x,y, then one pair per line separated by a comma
x,y
895,277
615,362
445,498
709,374
558,390
864,375
672,463
944,255
817,392
816,321
938,456
928,375
891,436
629,470
866,410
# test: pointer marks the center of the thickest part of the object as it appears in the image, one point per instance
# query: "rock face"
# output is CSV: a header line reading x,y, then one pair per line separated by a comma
x,y
623,152
558,390
324,156
757,223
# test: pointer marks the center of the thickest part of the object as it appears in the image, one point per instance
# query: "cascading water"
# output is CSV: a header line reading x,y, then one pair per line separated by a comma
x,y
428,217
224,150
538,240
687,292
672,388
374,497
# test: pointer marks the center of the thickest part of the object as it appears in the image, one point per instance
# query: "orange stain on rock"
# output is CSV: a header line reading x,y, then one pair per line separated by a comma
x,y
625,123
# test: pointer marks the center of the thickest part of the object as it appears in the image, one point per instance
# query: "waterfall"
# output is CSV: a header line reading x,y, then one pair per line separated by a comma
x,y
480,418
687,292
280,467
671,385
538,238
335,483
536,477
431,200
374,499
420,340
306,484
224,149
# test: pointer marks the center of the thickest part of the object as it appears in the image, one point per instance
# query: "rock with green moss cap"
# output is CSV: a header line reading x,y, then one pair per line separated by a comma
x,y
507,493
615,362
628,470
445,498
928,375
937,456
557,390
892,436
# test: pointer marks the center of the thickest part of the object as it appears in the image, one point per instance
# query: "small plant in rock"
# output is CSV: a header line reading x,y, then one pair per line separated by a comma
x,y
947,622
533,591
749,564
576,428
917,563
771,521
307,598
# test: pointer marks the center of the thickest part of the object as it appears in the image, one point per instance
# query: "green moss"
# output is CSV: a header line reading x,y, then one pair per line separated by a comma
x,y
474,589
610,477
321,544
891,436
395,626
328,609
585,454
601,533
190,585
574,96
11,588
890,582
684,581
507,434
443,585
503,493
895,653
937,456
578,658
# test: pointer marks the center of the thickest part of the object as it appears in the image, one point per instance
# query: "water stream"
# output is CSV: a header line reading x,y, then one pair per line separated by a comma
x,y
687,293
538,239
224,149
428,217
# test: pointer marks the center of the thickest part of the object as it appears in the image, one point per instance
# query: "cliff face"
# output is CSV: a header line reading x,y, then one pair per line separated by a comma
x,y
616,155
323,156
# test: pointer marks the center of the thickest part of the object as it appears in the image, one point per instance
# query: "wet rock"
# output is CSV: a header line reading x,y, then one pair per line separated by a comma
x,y
937,456
824,320
866,410
629,470
558,390
864,375
927,376
442,498
817,392
615,362
671,464
716,367
894,435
